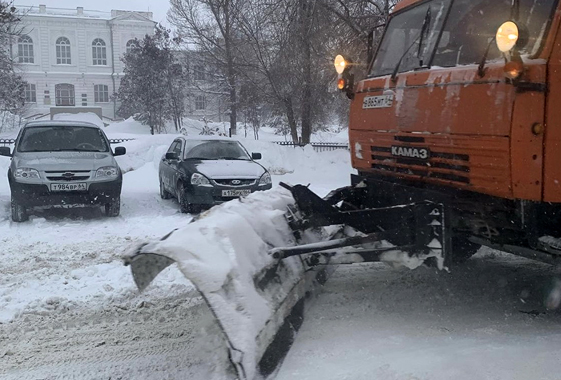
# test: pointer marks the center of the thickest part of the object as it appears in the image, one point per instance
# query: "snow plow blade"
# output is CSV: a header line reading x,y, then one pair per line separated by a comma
x,y
257,300
254,260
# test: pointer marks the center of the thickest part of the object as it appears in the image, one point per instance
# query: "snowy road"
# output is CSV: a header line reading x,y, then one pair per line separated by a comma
x,y
69,309
485,320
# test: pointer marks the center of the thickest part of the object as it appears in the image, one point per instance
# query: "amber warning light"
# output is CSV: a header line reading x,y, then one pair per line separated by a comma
x,y
341,84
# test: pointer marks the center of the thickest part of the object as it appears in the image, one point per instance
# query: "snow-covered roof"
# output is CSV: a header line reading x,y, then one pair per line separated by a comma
x,y
80,12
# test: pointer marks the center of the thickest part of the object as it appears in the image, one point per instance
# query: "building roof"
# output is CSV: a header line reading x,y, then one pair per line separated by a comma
x,y
80,12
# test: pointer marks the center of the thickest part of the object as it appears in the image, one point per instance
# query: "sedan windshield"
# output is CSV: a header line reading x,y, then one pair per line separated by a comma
x,y
62,138
215,150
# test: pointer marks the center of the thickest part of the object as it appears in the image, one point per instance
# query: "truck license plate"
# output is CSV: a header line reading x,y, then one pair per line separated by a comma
x,y
380,101
81,186
235,193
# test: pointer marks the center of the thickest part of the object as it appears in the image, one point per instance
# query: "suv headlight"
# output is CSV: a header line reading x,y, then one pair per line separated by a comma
x,y
107,172
26,173
200,180
265,179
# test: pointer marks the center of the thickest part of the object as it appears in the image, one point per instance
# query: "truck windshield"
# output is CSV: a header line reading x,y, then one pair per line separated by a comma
x,y
62,138
469,28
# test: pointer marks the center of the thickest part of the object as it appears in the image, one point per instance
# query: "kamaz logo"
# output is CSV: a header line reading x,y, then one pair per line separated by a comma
x,y
403,151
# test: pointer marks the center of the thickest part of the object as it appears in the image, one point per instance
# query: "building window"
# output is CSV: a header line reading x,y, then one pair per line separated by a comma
x,y
200,102
131,44
99,52
199,72
64,94
25,50
101,93
63,51
30,93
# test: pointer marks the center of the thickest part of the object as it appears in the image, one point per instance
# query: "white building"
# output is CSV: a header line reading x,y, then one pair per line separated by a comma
x,y
71,58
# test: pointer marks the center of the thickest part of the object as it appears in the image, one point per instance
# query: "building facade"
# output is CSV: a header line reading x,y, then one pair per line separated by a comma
x,y
71,58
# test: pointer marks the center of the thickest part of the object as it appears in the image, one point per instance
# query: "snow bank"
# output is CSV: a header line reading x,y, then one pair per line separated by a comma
x,y
89,117
126,128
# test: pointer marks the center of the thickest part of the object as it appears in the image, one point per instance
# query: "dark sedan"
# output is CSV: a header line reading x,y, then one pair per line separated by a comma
x,y
204,172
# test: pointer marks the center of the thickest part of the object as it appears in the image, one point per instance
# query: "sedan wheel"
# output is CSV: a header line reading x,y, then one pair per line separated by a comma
x,y
164,194
183,199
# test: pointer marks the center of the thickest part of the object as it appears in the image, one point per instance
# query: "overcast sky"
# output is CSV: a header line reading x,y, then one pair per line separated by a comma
x,y
158,7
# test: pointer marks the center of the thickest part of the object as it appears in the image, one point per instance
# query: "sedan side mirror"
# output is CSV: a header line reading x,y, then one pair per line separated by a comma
x,y
5,151
255,156
120,151
171,156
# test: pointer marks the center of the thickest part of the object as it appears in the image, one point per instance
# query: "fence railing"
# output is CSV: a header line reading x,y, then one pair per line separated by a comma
x,y
318,147
8,142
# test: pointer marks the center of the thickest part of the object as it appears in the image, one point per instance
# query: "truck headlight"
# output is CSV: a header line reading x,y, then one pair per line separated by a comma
x,y
26,173
200,180
507,36
265,179
107,172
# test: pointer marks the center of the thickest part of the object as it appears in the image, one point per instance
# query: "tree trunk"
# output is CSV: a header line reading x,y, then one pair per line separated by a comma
x,y
291,120
306,9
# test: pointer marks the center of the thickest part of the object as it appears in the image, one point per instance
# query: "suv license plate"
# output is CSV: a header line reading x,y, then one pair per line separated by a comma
x,y
69,186
235,193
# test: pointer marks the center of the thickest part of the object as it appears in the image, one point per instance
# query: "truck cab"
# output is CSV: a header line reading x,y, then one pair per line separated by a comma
x,y
460,103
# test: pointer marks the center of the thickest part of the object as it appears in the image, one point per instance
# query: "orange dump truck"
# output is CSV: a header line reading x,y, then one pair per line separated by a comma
x,y
462,104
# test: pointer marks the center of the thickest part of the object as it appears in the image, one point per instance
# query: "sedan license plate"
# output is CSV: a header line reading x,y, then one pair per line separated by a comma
x,y
235,193
81,186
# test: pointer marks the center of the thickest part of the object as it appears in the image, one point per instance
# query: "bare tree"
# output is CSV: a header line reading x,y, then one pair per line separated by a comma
x,y
210,25
12,86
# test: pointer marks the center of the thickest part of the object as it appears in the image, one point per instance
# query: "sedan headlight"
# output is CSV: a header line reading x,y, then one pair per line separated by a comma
x,y
199,180
107,172
26,173
265,179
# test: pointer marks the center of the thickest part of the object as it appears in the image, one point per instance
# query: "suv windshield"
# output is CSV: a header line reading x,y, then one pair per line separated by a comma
x,y
215,150
469,28
62,138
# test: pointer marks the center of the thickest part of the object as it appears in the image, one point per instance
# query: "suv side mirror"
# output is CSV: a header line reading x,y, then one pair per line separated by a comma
x,y
171,156
120,151
5,151
255,156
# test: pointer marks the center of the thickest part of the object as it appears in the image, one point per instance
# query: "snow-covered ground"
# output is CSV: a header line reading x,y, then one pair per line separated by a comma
x,y
65,292
69,308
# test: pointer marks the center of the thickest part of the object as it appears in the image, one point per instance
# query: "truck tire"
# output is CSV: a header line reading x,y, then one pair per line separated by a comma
x,y
462,250
19,212
113,207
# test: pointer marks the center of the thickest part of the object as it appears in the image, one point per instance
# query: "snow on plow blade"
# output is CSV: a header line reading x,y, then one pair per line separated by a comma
x,y
257,300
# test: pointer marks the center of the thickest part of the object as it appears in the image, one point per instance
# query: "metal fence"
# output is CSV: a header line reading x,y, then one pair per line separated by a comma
x,y
8,142
318,147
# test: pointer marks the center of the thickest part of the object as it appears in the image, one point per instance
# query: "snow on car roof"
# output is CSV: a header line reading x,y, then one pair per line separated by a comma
x,y
58,123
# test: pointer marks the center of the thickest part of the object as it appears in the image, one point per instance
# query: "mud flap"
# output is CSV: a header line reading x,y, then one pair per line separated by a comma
x,y
257,301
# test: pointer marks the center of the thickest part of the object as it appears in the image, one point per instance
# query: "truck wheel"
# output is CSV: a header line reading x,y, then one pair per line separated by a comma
x,y
183,199
113,208
462,250
19,212
164,194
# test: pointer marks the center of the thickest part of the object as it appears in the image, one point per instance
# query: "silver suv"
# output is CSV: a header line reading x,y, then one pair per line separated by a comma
x,y
63,163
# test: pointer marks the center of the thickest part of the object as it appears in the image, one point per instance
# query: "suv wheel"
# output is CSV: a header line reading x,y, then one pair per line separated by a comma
x,y
113,208
19,212
164,194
